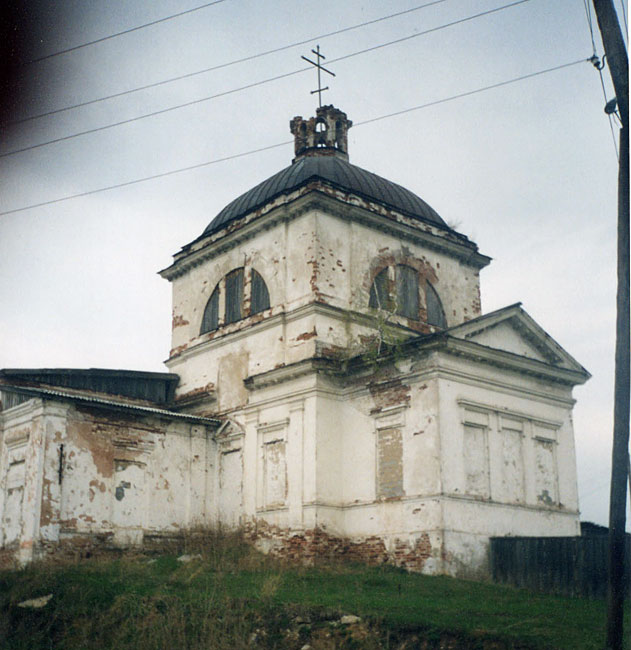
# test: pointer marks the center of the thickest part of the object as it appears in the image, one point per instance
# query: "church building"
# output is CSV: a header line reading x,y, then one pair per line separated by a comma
x,y
332,389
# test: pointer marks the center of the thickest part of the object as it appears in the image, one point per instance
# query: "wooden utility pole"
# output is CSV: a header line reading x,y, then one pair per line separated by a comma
x,y
619,68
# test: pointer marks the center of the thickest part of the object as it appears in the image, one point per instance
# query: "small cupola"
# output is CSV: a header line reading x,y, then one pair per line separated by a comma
x,y
326,134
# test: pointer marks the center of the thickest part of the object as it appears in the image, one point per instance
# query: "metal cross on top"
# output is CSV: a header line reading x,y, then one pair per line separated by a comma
x,y
319,56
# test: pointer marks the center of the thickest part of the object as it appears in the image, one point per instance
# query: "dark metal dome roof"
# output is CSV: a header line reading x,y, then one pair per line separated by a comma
x,y
332,170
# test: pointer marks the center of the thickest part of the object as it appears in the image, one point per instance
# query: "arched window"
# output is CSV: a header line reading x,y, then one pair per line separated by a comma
x,y
399,295
236,306
320,133
406,291
379,294
260,294
210,321
435,312
396,288
234,296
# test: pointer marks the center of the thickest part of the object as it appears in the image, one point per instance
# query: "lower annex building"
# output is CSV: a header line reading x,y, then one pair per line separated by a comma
x,y
333,387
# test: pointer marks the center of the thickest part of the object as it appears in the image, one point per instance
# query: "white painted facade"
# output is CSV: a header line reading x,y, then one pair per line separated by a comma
x,y
339,427
76,473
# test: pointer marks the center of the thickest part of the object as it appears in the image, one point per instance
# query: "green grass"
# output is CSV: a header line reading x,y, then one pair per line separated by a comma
x,y
233,593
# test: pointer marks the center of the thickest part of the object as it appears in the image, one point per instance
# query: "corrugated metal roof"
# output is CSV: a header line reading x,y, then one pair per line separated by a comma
x,y
158,387
332,170
105,403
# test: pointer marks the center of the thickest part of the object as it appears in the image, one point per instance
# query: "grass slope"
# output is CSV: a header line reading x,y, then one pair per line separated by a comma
x,y
235,598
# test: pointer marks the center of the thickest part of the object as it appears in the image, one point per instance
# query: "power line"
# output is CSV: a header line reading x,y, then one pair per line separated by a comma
x,y
282,144
599,67
588,15
125,31
427,31
154,113
613,135
148,178
471,92
227,64
256,83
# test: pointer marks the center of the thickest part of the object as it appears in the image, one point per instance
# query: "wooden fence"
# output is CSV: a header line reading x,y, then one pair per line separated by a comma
x,y
572,566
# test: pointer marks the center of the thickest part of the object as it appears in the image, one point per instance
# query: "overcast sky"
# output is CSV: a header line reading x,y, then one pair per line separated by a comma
x,y
527,170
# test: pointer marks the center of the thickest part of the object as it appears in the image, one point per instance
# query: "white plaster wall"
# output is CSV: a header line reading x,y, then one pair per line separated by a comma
x,y
518,404
323,435
282,415
434,498
331,465
120,475
358,449
422,458
456,283
316,257
334,470
21,461
405,517
508,401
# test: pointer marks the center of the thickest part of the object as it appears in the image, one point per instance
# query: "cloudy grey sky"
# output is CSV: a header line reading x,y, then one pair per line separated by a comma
x,y
527,170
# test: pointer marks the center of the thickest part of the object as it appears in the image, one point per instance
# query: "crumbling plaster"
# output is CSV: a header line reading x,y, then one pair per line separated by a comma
x,y
310,260
382,453
340,429
89,472
330,430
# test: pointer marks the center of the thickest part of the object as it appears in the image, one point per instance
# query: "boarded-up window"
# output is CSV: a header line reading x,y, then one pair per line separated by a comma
x,y
379,291
234,296
274,473
210,322
435,312
406,291
12,515
512,461
545,465
389,463
260,294
400,295
476,466
230,487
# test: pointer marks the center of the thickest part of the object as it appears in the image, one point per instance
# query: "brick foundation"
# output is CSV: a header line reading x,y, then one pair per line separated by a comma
x,y
311,546
307,547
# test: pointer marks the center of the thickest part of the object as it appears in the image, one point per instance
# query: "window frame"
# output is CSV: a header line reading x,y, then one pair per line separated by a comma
x,y
390,280
232,298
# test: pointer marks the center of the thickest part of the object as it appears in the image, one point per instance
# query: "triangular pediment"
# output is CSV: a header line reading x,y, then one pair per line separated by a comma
x,y
512,330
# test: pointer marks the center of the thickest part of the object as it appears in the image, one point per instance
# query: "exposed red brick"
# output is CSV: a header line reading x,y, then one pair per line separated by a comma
x,y
178,321
196,392
313,545
178,350
389,393
305,336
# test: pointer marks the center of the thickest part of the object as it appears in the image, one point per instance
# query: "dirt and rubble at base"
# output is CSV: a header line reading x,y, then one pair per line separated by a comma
x,y
330,629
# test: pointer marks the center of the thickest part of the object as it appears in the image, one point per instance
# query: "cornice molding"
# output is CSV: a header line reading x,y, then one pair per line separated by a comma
x,y
443,498
526,327
246,329
289,373
509,412
21,413
511,361
317,196
437,371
